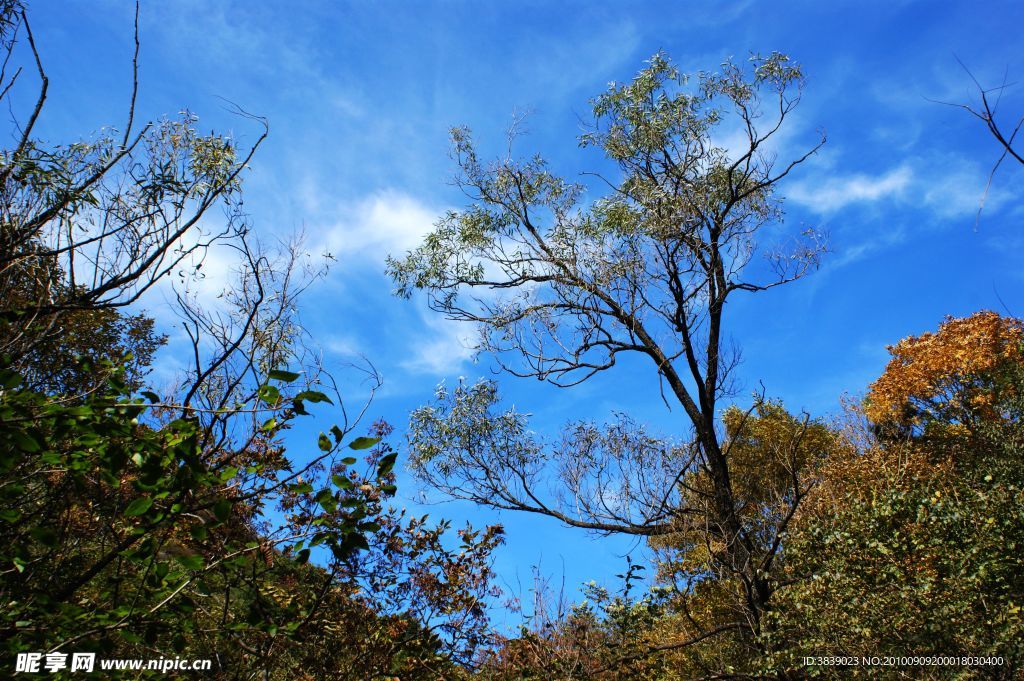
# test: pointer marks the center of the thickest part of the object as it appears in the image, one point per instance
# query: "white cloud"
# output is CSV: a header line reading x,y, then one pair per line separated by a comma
x,y
388,222
343,345
204,276
946,186
441,352
838,192
363,233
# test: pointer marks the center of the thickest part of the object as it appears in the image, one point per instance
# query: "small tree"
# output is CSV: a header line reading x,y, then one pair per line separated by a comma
x,y
561,288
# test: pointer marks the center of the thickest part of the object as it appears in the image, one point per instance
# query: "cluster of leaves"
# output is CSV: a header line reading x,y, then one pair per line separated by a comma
x,y
937,383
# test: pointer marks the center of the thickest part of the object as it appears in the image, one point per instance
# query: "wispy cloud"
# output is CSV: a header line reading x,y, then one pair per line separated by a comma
x,y
444,350
960,192
361,235
838,192
944,186
852,253
387,222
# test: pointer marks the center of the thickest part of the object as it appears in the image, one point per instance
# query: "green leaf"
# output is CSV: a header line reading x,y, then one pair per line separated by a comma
x,y
46,536
131,637
302,557
138,507
178,643
363,442
191,562
222,510
326,499
9,380
282,375
25,442
324,443
387,463
269,394
301,488
313,396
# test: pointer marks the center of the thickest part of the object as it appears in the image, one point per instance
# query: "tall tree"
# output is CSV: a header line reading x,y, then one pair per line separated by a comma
x,y
561,287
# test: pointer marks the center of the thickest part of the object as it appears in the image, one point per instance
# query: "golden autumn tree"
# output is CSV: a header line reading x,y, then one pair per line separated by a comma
x,y
950,380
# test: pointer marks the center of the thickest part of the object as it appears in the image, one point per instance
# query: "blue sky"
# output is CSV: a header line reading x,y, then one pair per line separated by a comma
x,y
360,96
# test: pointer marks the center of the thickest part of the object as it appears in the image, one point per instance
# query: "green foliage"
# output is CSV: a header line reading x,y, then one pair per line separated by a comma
x,y
110,520
920,568
122,534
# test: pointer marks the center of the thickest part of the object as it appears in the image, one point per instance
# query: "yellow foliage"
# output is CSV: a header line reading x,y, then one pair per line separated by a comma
x,y
943,369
